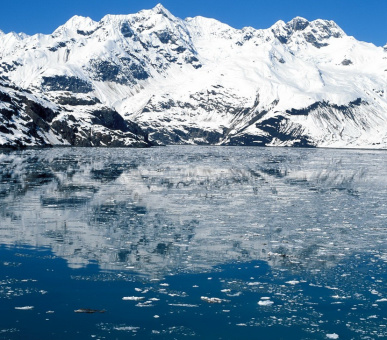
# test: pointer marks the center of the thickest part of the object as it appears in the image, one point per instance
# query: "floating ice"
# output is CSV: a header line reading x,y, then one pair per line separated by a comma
x,y
25,308
126,328
293,282
211,300
133,298
332,336
265,303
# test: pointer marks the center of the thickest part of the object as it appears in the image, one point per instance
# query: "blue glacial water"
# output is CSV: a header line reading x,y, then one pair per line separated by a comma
x,y
193,242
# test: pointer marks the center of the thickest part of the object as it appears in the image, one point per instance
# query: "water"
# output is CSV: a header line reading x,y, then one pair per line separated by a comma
x,y
193,242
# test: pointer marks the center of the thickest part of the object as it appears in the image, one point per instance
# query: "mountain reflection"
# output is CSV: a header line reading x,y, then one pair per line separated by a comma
x,y
162,210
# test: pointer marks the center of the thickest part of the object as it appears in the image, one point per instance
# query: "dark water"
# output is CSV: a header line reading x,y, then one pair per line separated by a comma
x,y
193,242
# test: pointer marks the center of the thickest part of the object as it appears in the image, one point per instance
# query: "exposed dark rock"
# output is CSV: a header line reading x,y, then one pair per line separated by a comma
x,y
126,31
324,104
110,119
165,37
9,67
5,97
3,129
184,136
63,129
193,61
127,72
283,129
64,83
34,109
7,114
106,71
282,39
58,46
273,127
299,24
179,49
74,101
85,33
138,72
346,62
310,38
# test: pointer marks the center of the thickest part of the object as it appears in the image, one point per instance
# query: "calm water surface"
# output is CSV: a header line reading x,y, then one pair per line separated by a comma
x,y
193,242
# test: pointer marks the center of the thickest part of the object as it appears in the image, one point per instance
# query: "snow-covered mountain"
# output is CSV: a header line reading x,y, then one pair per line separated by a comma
x,y
192,81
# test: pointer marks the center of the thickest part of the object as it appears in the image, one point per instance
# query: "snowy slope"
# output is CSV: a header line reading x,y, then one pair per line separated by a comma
x,y
199,81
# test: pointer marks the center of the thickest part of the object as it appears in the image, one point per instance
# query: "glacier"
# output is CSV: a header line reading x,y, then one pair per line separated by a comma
x,y
151,78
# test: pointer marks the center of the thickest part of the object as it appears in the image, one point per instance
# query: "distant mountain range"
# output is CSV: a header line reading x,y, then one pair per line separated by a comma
x,y
151,78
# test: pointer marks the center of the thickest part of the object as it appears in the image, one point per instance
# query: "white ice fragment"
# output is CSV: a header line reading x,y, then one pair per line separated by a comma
x,y
126,328
235,294
293,282
156,316
133,298
25,308
211,300
332,336
164,284
265,303
382,300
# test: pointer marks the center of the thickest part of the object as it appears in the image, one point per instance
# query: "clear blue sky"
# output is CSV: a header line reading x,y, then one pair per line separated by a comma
x,y
364,19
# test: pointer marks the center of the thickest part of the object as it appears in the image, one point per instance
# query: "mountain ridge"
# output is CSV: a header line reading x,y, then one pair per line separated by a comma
x,y
199,81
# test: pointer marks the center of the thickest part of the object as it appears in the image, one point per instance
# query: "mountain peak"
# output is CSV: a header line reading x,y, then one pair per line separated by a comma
x,y
77,22
160,9
298,23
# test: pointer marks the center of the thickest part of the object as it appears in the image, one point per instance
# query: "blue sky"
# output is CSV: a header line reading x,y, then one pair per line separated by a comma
x,y
364,19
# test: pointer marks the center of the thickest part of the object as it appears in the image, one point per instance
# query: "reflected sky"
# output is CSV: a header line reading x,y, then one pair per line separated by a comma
x,y
186,209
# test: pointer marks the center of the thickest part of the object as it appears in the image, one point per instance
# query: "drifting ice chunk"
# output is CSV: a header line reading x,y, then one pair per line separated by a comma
x,y
25,308
133,298
293,282
211,300
265,303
